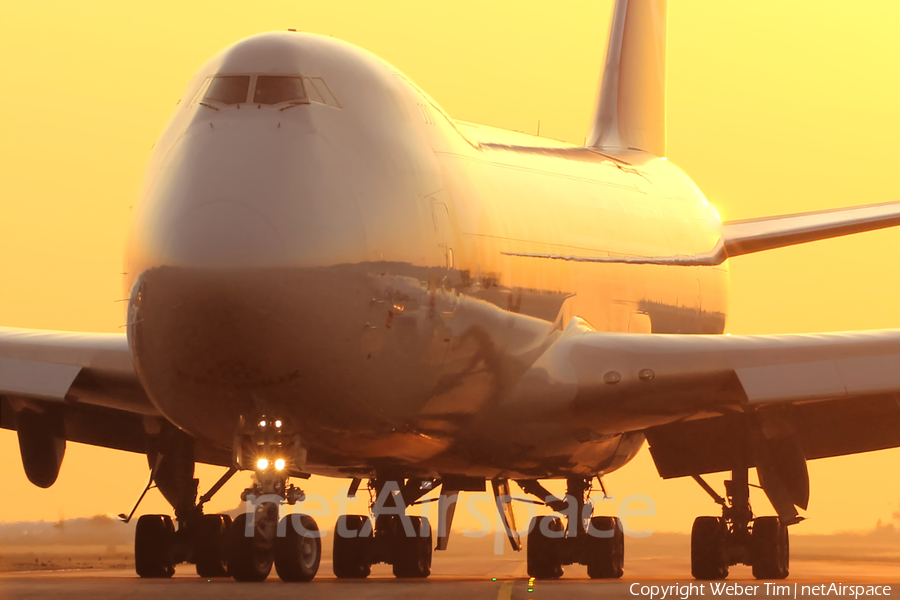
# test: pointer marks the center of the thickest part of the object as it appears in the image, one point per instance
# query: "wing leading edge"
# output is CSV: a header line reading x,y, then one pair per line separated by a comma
x,y
58,386
710,403
66,367
667,377
764,233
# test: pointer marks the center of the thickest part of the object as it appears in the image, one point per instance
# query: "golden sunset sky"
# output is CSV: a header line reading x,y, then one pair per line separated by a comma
x,y
773,107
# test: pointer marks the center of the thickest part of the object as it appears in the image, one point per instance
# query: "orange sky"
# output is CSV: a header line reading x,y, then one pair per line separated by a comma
x,y
773,107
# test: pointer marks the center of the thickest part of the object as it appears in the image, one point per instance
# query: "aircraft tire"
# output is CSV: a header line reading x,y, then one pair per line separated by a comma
x,y
770,549
247,561
606,555
709,551
350,556
412,554
298,553
544,551
153,546
212,537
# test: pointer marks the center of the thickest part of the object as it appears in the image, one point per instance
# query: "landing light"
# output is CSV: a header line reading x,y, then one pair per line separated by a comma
x,y
278,423
279,464
262,464
262,423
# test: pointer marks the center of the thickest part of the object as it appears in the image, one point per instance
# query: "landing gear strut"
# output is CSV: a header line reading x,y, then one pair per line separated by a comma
x,y
737,537
401,540
247,548
597,542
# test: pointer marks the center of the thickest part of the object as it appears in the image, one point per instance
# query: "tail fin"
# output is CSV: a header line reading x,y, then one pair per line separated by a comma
x,y
631,110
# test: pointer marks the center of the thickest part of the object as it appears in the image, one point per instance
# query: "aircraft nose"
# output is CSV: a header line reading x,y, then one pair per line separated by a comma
x,y
250,193
240,253
224,233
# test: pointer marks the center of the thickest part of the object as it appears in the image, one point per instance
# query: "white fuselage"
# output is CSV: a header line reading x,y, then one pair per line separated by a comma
x,y
343,265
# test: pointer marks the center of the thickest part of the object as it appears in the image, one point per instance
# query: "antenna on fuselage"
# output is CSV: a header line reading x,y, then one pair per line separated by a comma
x,y
631,107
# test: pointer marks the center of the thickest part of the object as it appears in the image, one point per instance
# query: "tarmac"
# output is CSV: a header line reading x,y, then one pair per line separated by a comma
x,y
466,578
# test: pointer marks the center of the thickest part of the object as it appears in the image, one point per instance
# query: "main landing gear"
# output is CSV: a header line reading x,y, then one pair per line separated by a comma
x,y
398,539
597,542
247,548
737,537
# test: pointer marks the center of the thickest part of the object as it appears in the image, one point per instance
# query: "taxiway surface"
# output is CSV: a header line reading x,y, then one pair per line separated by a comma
x,y
456,578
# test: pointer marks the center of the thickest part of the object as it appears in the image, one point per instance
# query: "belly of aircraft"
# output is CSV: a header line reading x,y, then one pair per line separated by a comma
x,y
375,365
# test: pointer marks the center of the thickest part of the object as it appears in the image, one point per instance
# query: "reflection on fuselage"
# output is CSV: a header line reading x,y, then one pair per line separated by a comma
x,y
340,265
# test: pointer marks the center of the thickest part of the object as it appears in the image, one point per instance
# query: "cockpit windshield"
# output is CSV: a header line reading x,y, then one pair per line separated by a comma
x,y
272,89
228,89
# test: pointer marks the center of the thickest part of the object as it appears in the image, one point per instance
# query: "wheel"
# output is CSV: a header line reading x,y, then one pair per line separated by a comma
x,y
211,539
351,557
248,560
709,551
605,555
770,549
412,554
545,540
153,546
297,554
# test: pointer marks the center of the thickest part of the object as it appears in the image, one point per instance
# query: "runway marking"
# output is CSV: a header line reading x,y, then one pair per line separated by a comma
x,y
505,592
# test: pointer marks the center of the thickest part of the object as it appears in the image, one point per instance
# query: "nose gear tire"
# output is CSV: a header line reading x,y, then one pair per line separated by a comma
x,y
298,553
248,560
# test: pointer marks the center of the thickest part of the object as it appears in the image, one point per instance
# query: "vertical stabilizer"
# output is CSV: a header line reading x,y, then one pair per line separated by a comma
x,y
631,110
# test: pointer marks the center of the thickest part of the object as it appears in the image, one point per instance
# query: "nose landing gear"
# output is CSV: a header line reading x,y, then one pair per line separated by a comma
x,y
259,540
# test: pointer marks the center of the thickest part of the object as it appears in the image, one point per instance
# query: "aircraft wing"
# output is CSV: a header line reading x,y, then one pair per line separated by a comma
x,y
764,233
82,368
709,402
755,235
88,379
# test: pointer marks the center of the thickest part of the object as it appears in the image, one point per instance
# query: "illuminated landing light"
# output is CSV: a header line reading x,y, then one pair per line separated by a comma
x,y
278,423
663,158
262,464
262,423
279,464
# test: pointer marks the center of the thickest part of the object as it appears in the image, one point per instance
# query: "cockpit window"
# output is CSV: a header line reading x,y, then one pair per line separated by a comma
x,y
272,89
228,89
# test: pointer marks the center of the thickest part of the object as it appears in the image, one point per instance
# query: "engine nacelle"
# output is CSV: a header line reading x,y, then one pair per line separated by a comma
x,y
42,444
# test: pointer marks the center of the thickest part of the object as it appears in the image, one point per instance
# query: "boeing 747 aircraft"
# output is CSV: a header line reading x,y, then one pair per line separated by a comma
x,y
329,275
